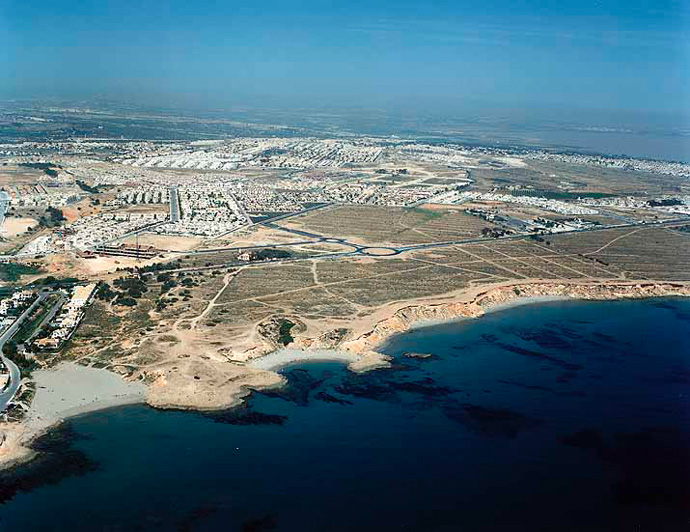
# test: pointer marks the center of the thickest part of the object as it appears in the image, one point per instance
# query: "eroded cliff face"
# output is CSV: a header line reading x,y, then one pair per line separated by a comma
x,y
412,315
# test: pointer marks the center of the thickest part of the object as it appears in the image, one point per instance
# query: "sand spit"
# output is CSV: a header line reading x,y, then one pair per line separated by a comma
x,y
64,391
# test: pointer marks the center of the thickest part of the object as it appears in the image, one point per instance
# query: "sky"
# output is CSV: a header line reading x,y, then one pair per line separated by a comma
x,y
602,54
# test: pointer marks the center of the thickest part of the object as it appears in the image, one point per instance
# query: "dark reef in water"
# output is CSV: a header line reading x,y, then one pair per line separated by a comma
x,y
300,384
56,460
546,338
261,524
425,387
367,390
489,421
541,356
197,516
328,398
547,389
243,415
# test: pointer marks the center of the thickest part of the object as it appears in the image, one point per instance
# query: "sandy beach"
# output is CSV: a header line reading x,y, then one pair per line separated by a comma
x,y
284,357
65,391
521,301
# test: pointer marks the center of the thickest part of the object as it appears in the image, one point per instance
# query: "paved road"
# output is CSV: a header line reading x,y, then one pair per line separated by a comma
x,y
49,316
174,205
15,377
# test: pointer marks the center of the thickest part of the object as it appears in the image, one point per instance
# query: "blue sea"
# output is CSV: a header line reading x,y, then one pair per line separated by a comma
x,y
563,416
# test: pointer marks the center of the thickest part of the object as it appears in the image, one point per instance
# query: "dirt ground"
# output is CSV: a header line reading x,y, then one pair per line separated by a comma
x,y
13,227
168,243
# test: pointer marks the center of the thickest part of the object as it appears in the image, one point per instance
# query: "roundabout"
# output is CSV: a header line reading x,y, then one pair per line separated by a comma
x,y
379,251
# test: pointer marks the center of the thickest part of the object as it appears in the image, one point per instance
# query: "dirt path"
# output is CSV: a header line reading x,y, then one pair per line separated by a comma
x,y
500,267
602,248
323,285
226,282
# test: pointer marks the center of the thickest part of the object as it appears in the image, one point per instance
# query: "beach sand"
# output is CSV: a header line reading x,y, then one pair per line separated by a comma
x,y
64,391
284,357
520,301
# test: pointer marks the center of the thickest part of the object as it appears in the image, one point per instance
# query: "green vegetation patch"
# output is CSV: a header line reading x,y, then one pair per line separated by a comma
x,y
284,335
12,271
52,218
86,187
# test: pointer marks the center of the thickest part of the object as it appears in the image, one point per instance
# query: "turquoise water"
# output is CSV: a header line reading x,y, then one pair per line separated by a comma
x,y
557,416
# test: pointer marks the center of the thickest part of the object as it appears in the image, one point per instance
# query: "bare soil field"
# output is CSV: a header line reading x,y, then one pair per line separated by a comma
x,y
13,227
256,235
552,175
169,243
19,175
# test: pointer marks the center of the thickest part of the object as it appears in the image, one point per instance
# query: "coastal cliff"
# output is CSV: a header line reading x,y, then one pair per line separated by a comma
x,y
219,389
409,316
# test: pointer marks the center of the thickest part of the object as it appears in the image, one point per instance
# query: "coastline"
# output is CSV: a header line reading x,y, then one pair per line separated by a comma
x,y
88,390
477,302
519,302
357,362
529,300
97,389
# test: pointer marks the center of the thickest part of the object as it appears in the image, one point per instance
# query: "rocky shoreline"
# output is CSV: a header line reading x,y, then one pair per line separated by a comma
x,y
360,354
414,315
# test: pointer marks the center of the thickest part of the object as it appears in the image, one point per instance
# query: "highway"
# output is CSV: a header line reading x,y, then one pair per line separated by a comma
x,y
15,376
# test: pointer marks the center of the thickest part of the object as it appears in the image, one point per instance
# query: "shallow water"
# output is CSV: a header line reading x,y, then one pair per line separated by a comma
x,y
557,416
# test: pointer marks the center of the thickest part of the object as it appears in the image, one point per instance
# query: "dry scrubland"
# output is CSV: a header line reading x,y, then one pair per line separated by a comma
x,y
389,225
19,175
641,253
227,304
191,341
327,290
548,174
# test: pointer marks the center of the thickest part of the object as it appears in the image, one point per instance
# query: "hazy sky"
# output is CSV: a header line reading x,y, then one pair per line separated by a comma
x,y
608,54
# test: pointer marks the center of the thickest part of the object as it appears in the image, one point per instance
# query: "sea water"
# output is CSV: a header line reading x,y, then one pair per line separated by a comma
x,y
556,416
